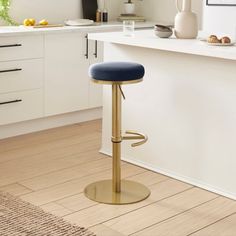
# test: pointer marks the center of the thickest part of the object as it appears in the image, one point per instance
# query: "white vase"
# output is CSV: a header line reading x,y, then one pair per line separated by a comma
x,y
129,8
186,25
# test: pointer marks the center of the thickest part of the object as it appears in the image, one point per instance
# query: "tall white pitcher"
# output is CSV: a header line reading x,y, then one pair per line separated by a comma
x,y
186,25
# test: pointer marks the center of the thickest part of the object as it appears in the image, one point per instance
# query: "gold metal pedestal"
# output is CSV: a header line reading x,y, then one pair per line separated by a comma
x,y
117,191
131,192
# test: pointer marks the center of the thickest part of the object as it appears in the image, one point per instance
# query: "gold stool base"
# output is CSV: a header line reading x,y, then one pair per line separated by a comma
x,y
131,192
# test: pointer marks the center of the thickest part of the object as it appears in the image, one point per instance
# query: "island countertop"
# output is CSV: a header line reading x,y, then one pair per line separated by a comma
x,y
147,39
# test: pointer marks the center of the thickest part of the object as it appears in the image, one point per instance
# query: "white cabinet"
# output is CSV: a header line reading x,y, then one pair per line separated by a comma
x,y
21,75
44,75
21,47
21,106
21,78
67,84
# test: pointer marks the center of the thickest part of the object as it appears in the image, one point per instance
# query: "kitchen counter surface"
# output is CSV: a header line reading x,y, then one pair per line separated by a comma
x,y
19,30
147,39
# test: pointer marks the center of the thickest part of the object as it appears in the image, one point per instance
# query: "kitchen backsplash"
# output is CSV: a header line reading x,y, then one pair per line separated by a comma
x,y
164,10
55,11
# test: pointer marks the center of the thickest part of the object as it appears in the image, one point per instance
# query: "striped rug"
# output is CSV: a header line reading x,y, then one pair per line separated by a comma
x,y
19,218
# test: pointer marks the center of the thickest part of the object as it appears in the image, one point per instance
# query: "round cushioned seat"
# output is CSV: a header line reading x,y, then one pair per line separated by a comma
x,y
118,72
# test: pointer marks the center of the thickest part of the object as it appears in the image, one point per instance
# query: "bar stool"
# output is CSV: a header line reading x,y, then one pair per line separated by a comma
x,y
117,191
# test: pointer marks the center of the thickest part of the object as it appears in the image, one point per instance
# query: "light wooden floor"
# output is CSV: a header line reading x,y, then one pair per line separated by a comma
x,y
51,168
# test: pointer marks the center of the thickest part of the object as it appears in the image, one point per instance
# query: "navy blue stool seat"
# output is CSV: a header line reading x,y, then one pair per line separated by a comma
x,y
117,72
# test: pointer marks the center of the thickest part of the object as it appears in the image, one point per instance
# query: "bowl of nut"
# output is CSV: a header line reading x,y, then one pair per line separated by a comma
x,y
213,40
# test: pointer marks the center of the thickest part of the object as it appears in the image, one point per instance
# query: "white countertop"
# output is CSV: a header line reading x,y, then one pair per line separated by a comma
x,y
147,39
22,30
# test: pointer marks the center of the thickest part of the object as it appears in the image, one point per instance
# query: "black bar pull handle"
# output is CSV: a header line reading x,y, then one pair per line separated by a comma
x,y
11,45
87,47
96,49
10,70
12,101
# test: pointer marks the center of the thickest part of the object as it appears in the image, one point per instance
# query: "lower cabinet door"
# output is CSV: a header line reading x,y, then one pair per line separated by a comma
x,y
21,106
66,73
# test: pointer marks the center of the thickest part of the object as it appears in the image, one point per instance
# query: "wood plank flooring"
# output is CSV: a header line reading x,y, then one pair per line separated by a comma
x,y
51,168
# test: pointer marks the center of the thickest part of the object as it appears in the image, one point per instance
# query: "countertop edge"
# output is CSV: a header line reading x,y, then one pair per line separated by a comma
x,y
147,39
8,31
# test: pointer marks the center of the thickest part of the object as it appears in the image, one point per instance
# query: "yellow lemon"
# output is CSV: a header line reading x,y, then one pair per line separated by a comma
x,y
27,22
43,22
32,21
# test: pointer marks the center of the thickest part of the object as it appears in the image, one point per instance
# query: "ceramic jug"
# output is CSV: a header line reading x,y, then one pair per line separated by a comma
x,y
186,25
129,8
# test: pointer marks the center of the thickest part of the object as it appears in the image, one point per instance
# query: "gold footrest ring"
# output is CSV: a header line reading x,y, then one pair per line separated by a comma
x,y
131,192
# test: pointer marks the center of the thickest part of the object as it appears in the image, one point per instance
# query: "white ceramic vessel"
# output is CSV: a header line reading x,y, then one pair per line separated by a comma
x,y
129,8
163,31
186,25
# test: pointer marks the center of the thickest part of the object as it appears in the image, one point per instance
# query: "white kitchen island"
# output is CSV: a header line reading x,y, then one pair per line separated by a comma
x,y
186,105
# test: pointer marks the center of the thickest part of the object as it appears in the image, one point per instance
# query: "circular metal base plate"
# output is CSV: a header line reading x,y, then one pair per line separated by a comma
x,y
131,192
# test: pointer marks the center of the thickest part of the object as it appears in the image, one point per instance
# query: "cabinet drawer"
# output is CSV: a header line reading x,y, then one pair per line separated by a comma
x,y
24,47
21,75
21,106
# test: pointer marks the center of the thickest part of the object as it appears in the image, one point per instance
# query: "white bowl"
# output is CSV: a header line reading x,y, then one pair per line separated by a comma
x,y
163,34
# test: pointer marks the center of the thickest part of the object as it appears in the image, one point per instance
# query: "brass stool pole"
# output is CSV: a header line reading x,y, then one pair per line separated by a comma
x,y
115,190
116,138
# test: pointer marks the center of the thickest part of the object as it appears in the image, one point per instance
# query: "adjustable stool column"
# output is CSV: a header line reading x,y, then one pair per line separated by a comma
x,y
117,191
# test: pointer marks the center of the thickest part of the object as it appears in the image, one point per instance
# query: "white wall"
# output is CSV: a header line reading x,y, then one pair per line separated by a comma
x,y
164,10
55,11
216,19
220,20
